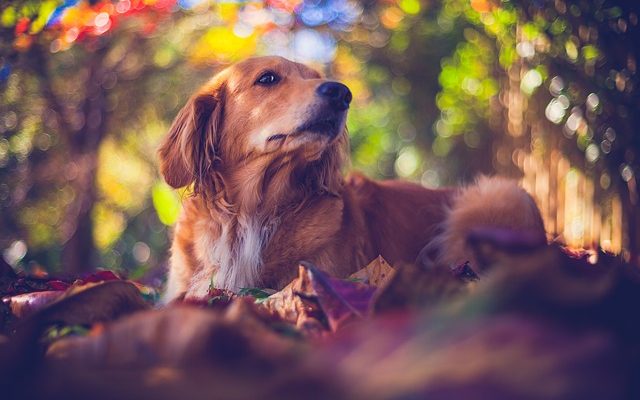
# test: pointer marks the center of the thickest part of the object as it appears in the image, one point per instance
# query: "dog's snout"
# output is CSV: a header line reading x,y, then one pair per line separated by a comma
x,y
338,95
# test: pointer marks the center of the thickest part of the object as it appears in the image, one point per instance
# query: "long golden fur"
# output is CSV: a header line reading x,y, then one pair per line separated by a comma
x,y
264,152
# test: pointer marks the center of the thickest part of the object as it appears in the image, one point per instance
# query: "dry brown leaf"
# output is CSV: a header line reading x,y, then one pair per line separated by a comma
x,y
296,304
316,302
378,273
96,302
83,303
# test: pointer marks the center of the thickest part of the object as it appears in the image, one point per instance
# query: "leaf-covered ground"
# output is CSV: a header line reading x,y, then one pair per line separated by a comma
x,y
537,322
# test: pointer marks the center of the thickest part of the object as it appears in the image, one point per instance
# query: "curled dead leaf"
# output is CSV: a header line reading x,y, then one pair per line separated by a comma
x,y
315,300
340,300
87,304
297,304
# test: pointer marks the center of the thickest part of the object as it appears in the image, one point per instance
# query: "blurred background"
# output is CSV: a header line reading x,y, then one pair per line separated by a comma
x,y
544,91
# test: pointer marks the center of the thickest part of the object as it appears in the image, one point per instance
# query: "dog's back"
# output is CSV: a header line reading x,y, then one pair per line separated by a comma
x,y
403,218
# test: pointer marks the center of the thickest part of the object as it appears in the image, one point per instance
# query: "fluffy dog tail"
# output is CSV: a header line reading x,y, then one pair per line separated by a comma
x,y
490,202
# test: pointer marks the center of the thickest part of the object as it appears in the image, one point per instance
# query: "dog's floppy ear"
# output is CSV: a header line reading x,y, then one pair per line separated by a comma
x,y
188,154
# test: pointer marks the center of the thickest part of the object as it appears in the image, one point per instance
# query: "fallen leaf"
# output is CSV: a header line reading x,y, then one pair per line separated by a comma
x,y
12,284
378,273
23,305
339,299
89,303
236,338
297,304
7,276
259,294
57,284
315,301
55,333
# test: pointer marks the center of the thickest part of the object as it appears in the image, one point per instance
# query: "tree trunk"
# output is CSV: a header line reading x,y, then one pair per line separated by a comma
x,y
79,251
78,254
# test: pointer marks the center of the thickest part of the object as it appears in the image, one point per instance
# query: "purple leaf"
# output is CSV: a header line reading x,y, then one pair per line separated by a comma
x,y
339,299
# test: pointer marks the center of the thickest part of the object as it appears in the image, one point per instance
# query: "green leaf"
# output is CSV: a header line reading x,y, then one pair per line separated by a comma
x,y
256,293
44,13
410,6
9,17
259,294
56,332
166,203
590,52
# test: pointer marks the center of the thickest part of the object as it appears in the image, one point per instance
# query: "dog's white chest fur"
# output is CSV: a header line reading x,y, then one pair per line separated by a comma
x,y
231,260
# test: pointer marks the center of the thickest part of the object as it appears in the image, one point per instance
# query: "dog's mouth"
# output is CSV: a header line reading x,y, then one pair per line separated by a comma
x,y
327,124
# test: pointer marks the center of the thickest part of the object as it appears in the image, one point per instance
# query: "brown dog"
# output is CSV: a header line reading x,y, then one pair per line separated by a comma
x,y
263,144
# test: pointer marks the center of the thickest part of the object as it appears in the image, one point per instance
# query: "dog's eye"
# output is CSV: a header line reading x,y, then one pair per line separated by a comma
x,y
268,78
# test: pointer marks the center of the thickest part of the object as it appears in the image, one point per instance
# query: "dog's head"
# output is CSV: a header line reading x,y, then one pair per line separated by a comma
x,y
256,117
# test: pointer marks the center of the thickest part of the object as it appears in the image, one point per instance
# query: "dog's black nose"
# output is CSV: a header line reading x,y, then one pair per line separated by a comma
x,y
339,95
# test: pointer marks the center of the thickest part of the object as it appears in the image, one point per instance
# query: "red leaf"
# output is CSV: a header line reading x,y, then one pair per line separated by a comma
x,y
58,285
100,276
22,26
